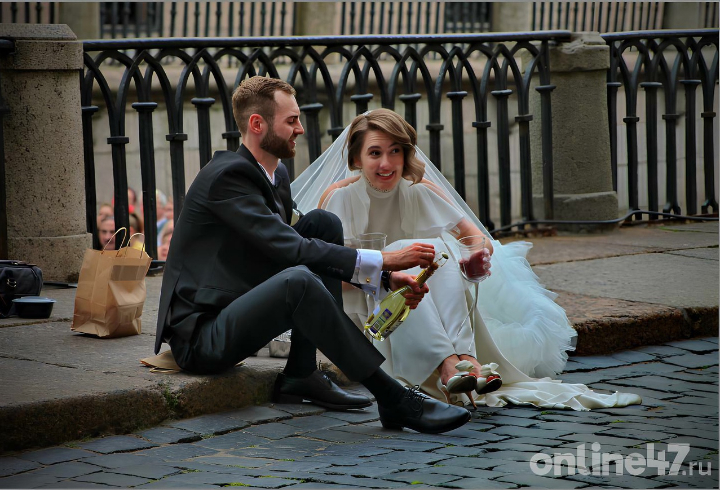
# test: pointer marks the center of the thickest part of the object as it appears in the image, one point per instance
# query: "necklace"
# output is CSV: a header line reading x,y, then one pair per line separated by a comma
x,y
372,186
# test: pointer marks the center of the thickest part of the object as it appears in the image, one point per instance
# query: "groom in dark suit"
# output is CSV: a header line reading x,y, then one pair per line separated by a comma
x,y
238,274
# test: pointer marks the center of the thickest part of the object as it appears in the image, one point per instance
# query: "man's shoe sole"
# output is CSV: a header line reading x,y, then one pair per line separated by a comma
x,y
284,398
396,426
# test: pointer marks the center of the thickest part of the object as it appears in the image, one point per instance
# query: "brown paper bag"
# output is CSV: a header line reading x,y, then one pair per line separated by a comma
x,y
111,292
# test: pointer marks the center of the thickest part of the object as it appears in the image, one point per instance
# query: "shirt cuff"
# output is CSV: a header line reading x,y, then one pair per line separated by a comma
x,y
368,268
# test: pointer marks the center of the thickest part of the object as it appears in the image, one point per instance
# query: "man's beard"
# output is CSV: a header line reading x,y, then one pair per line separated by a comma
x,y
276,146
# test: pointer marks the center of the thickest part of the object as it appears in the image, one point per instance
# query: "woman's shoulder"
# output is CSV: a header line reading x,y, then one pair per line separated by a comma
x,y
334,187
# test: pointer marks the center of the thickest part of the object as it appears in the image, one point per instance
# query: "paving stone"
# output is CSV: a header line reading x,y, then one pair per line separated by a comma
x,y
512,445
54,455
314,422
532,441
69,469
617,481
263,482
710,434
693,360
337,436
294,466
662,350
233,440
602,439
401,445
505,420
235,461
479,438
301,444
521,456
116,444
354,451
364,429
274,430
76,484
479,426
210,424
694,480
641,435
462,472
260,414
574,428
178,452
695,442
421,478
174,484
11,466
313,485
477,463
697,400
112,479
358,482
27,480
633,356
585,378
532,432
299,409
120,460
697,346
169,435
205,478
355,416
152,471
503,467
478,483
528,479
369,470
469,452
595,362
412,457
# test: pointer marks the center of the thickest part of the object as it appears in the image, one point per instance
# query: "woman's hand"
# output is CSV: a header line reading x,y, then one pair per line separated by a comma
x,y
421,254
416,293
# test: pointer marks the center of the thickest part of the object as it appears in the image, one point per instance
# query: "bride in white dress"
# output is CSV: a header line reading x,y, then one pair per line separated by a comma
x,y
391,187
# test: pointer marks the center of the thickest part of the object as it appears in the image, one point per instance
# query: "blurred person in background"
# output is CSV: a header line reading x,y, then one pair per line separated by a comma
x,y
106,230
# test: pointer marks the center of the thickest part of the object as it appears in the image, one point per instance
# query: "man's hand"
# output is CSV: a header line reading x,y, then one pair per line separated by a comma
x,y
421,254
416,293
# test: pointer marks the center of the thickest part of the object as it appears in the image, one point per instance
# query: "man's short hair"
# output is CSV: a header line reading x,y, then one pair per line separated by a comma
x,y
256,95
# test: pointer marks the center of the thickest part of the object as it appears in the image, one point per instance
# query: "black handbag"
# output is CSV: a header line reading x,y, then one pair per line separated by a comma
x,y
17,279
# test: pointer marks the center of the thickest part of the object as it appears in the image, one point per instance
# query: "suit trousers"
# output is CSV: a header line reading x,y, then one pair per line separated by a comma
x,y
295,299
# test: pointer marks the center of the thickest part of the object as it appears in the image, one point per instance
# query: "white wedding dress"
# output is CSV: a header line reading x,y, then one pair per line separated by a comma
x,y
518,325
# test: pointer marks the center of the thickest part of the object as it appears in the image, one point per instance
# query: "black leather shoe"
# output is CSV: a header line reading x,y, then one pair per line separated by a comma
x,y
318,389
419,412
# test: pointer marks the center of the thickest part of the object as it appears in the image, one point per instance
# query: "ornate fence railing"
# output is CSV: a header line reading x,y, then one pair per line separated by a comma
x,y
480,67
657,65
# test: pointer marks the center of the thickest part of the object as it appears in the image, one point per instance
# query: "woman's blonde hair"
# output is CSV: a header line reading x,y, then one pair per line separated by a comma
x,y
397,129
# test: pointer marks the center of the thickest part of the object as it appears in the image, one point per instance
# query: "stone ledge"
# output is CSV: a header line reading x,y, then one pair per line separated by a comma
x,y
606,325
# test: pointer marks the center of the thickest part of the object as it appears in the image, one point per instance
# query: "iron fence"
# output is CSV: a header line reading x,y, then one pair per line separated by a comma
x,y
414,17
5,46
597,16
494,72
663,62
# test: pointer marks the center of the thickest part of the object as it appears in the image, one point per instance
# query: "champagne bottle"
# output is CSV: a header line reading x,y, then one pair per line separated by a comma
x,y
392,311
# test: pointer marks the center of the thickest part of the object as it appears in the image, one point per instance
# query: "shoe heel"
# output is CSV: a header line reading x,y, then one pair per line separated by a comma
x,y
390,425
284,398
470,394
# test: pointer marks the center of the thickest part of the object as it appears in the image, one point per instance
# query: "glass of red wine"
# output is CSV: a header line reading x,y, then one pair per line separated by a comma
x,y
474,258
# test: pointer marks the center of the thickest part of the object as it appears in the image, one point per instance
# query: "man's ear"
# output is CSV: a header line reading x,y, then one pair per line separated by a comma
x,y
256,124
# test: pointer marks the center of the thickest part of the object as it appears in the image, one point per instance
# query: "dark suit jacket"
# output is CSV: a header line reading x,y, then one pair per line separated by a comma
x,y
229,238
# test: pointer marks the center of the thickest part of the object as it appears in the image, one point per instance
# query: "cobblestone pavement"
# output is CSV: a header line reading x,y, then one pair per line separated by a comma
x,y
306,447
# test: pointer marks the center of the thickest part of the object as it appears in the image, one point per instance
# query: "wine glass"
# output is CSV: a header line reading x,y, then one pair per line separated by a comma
x,y
474,258
372,241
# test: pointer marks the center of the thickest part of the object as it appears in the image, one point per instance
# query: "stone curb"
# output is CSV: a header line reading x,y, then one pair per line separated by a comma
x,y
59,421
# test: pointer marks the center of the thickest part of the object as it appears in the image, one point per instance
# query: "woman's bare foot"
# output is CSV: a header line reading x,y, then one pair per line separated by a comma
x,y
447,368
